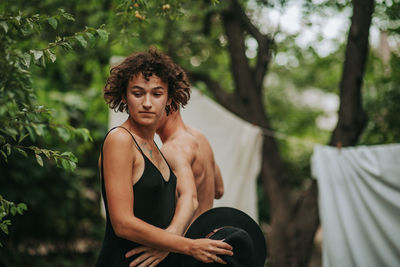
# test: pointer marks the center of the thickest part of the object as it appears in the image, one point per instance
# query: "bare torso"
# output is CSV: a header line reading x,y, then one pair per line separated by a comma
x,y
203,168
202,164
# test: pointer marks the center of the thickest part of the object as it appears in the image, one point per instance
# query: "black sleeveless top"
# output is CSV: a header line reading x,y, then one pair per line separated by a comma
x,y
154,200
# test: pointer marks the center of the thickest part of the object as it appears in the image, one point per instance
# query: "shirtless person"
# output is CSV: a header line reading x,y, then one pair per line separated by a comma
x,y
199,179
188,149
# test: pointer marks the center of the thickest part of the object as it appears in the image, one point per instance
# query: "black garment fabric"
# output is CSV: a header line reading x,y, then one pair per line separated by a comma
x,y
154,203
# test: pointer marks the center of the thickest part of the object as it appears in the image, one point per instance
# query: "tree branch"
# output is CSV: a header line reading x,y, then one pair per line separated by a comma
x,y
352,117
264,49
226,99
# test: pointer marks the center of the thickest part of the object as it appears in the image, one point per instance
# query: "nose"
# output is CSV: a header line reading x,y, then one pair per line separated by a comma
x,y
147,101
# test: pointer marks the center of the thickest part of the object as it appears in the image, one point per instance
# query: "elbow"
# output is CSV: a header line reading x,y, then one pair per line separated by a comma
x,y
219,192
120,228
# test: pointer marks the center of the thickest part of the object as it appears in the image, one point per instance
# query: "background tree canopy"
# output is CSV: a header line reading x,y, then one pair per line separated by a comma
x,y
55,60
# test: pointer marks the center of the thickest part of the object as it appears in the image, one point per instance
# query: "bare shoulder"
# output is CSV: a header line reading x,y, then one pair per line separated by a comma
x,y
119,140
199,136
181,145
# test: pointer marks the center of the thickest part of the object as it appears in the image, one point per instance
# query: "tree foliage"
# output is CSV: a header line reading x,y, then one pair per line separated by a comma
x,y
26,124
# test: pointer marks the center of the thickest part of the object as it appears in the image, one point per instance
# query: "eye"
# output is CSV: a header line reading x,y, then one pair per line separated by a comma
x,y
157,94
137,94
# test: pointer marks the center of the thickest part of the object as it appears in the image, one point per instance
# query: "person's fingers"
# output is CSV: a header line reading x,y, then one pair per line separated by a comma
x,y
221,251
222,244
147,262
219,260
140,259
210,257
136,251
155,263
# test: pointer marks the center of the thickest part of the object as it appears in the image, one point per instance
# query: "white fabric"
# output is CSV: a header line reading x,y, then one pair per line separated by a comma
x,y
236,144
359,204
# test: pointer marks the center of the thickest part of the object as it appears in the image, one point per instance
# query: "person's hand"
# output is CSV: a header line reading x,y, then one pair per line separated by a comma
x,y
150,257
206,250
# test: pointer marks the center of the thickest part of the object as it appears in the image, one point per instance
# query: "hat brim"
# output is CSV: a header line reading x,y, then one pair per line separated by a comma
x,y
226,216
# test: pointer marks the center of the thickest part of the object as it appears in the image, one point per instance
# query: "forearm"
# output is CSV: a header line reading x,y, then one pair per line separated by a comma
x,y
184,211
145,234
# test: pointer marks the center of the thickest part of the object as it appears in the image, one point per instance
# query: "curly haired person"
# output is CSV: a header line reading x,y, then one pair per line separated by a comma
x,y
138,186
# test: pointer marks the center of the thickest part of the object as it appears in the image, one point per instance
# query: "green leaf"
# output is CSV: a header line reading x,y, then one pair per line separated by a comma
x,y
53,22
22,152
32,134
39,159
12,132
37,54
65,164
4,228
66,15
66,46
73,165
81,40
8,149
50,55
39,129
4,155
13,210
64,134
22,206
4,25
26,59
70,155
103,34
22,137
91,37
46,153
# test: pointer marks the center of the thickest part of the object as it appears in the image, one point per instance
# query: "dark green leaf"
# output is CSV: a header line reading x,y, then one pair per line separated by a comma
x,y
53,22
22,152
22,206
13,210
4,228
4,155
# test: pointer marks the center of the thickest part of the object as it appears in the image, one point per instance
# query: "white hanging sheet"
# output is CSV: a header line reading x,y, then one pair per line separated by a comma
x,y
359,204
237,147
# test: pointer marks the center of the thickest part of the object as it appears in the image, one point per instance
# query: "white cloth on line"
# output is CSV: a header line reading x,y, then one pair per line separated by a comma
x,y
237,147
359,204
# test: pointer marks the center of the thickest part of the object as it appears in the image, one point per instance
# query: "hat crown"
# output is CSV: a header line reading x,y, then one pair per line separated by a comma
x,y
241,242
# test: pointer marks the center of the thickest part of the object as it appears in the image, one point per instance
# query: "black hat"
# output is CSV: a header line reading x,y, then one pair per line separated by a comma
x,y
237,229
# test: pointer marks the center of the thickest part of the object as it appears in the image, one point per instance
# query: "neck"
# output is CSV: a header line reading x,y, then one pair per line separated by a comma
x,y
144,132
172,124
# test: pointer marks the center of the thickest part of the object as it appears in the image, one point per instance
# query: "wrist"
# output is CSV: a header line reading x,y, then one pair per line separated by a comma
x,y
189,246
172,230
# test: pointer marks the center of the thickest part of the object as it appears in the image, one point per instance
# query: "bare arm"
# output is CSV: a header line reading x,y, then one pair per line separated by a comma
x,y
219,183
180,159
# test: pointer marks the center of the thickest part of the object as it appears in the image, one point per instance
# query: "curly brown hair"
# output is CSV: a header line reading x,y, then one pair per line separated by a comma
x,y
147,63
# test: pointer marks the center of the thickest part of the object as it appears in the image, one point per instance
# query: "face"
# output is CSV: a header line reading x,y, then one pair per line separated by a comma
x,y
146,99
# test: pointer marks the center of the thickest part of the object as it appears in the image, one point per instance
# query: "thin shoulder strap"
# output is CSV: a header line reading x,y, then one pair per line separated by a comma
x,y
101,151
134,140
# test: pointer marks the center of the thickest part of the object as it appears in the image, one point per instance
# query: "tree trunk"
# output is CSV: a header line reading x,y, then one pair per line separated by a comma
x,y
294,220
